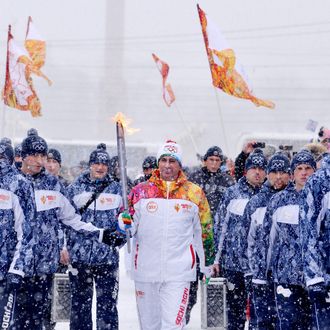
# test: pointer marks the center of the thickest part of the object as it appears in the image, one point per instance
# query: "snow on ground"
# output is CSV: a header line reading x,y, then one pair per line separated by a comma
x,y
128,319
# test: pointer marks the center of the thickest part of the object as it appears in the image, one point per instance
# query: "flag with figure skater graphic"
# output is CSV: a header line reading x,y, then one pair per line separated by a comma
x,y
18,91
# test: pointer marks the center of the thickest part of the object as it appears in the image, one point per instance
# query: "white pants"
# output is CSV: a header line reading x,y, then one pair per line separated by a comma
x,y
162,306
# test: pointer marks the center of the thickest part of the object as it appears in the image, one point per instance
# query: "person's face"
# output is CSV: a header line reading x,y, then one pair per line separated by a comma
x,y
147,171
53,166
300,175
326,143
169,168
213,163
98,171
255,176
278,180
33,164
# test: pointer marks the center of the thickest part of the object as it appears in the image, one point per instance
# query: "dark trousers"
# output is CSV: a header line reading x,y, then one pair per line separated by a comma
x,y
263,300
106,285
31,302
7,306
193,291
321,314
293,307
236,299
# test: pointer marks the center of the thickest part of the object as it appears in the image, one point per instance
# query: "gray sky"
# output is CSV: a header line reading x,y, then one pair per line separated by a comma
x,y
99,58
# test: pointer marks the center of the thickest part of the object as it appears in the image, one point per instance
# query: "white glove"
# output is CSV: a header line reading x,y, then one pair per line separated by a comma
x,y
208,271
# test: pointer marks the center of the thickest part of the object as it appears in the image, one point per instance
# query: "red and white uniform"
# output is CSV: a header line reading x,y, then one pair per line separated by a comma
x,y
171,221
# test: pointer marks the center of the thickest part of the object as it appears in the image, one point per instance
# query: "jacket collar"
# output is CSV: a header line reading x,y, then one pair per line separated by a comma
x,y
161,184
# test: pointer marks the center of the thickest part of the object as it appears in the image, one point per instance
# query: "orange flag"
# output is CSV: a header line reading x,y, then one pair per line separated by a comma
x,y
18,92
36,47
164,68
226,73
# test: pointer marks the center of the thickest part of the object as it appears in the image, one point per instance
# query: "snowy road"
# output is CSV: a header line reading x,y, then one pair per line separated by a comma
x,y
128,319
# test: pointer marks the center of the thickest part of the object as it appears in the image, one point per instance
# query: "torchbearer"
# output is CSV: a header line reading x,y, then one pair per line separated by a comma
x,y
172,221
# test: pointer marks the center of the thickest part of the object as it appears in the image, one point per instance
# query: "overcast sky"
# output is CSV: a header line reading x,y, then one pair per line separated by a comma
x,y
99,58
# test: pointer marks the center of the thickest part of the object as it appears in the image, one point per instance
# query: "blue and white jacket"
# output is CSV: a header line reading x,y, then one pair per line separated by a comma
x,y
253,221
282,238
52,207
315,226
16,213
229,220
102,212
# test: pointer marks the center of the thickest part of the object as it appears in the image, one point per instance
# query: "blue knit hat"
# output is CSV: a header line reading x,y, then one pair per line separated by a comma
x,y
6,150
256,159
213,151
18,150
303,157
100,155
34,144
279,162
54,154
149,162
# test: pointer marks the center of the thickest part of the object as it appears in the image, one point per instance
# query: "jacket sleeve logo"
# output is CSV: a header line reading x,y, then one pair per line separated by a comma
x,y
4,198
106,200
48,198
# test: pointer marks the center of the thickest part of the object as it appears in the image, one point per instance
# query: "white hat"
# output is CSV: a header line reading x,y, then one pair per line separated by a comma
x,y
172,149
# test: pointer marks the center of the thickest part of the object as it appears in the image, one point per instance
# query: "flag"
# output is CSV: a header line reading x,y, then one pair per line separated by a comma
x,y
226,73
36,47
168,94
18,92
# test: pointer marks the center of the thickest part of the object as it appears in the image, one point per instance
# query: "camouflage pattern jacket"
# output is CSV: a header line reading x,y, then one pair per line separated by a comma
x,y
53,207
230,224
281,241
102,212
214,185
253,221
16,213
315,225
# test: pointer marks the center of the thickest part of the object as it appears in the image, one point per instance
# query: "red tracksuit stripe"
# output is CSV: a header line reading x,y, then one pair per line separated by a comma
x,y
192,256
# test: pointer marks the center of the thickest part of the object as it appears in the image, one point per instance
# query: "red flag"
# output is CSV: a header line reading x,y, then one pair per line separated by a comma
x,y
164,69
18,91
226,73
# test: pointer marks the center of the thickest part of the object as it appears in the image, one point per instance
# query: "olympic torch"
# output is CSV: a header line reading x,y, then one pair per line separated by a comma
x,y
123,174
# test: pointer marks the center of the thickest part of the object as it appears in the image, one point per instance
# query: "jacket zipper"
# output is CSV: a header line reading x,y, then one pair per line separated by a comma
x,y
163,273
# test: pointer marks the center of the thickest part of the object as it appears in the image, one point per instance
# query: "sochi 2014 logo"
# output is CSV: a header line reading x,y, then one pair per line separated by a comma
x,y
152,207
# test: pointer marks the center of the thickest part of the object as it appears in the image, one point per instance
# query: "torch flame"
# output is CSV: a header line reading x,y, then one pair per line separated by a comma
x,y
121,118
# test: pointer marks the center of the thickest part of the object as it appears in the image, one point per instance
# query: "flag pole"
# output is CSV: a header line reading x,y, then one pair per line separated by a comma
x,y
3,120
221,120
7,73
186,127
28,26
